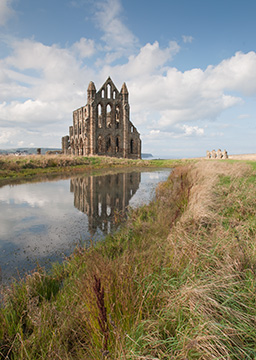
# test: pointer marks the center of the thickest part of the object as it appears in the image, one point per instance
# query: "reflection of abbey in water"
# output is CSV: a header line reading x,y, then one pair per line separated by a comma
x,y
100,197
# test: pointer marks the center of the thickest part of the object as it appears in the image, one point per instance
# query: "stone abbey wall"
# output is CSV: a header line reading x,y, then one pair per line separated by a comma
x,y
103,126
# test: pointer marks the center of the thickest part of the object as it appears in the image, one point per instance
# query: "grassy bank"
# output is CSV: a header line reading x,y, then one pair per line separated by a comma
x,y
177,282
26,167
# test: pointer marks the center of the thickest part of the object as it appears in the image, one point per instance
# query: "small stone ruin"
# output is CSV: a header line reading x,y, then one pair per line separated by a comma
x,y
216,154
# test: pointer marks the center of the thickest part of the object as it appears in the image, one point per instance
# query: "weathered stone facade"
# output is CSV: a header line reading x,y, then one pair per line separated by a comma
x,y
103,126
216,155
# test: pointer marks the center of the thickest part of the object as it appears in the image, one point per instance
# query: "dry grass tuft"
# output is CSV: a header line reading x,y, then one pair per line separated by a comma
x,y
204,175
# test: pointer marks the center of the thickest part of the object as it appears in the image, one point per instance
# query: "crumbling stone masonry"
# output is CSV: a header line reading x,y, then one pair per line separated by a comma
x,y
216,155
103,126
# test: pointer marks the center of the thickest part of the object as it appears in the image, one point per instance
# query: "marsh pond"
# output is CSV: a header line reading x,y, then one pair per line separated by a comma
x,y
43,222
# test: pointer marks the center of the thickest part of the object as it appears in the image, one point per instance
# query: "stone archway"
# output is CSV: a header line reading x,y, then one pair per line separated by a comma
x,y
108,144
132,146
81,147
117,145
72,147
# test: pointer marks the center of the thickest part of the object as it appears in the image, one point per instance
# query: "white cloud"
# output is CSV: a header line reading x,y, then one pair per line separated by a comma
x,y
141,68
237,73
187,39
192,130
40,87
6,11
84,47
117,37
179,131
150,58
6,135
52,60
156,135
244,116
22,111
191,95
42,75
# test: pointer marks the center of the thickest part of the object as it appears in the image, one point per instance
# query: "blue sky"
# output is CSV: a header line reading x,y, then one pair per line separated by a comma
x,y
190,68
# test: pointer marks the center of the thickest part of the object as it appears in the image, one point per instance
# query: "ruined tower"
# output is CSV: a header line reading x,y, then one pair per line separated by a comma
x,y
103,126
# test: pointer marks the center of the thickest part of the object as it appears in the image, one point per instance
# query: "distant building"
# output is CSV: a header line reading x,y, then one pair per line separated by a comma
x,y
103,126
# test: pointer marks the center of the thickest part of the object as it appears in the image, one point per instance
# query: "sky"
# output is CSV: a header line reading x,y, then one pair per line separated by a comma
x,y
189,66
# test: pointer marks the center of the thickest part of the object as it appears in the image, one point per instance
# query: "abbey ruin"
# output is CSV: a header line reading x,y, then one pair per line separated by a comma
x,y
217,154
103,126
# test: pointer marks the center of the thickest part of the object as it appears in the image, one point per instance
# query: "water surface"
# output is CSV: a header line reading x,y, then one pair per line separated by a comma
x,y
43,222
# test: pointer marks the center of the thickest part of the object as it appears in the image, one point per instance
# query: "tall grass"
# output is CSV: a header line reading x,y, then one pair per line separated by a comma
x,y
176,282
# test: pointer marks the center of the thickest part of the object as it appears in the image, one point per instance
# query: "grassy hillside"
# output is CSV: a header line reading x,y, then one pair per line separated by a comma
x,y
177,282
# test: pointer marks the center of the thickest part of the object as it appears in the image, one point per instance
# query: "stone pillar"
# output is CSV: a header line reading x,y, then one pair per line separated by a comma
x,y
139,148
126,117
87,148
65,144
126,131
84,148
225,154
219,154
91,93
213,154
92,138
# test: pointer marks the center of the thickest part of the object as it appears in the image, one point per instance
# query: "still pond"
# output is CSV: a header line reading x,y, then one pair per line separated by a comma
x,y
43,222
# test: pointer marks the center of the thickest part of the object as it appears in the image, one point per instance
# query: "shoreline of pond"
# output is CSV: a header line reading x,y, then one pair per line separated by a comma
x,y
42,221
15,169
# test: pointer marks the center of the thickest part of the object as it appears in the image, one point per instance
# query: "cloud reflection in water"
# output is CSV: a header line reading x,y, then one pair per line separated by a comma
x,y
43,222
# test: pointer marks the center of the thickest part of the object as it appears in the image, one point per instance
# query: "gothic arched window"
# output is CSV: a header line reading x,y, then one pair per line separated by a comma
x,y
108,116
108,91
99,116
132,146
108,144
117,144
117,117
